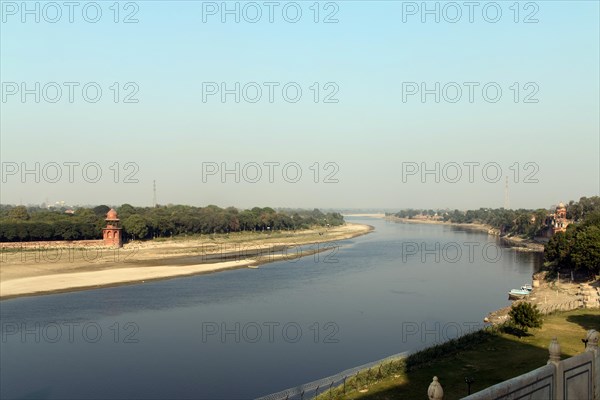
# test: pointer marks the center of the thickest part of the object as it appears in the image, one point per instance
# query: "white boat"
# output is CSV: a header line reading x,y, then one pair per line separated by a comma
x,y
515,294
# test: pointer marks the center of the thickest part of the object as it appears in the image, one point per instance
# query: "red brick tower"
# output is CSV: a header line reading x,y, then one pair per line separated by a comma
x,y
112,233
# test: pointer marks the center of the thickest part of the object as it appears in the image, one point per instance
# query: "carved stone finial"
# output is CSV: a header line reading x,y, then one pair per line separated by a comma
x,y
592,340
435,391
554,350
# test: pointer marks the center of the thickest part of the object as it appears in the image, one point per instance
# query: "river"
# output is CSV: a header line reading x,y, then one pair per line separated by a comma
x,y
249,332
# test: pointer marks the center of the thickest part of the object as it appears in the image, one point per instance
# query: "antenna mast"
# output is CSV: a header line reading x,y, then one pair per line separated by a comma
x,y
154,196
506,197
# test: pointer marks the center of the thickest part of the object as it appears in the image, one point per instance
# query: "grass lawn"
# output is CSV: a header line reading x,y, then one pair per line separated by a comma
x,y
495,358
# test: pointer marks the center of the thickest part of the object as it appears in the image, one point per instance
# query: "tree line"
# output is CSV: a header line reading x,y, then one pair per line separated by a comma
x,y
522,222
578,248
20,223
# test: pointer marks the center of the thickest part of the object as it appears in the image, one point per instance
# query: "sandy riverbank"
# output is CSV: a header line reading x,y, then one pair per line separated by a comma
x,y
554,295
52,270
517,243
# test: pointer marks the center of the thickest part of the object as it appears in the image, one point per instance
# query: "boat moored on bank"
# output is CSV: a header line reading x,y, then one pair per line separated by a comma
x,y
516,294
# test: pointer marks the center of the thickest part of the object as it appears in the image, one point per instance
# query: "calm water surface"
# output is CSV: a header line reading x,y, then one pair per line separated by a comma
x,y
250,332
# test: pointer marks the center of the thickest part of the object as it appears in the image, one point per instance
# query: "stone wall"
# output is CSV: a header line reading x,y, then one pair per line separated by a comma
x,y
52,243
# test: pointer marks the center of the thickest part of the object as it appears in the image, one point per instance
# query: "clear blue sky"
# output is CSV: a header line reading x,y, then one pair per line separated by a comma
x,y
369,55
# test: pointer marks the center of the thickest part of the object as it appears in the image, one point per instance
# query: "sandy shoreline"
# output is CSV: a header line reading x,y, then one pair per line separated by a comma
x,y
46,271
516,243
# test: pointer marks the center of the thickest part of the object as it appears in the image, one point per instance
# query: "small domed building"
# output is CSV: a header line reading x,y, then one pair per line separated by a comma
x,y
557,222
112,233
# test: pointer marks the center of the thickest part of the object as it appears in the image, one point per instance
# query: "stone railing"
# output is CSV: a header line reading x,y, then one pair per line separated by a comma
x,y
575,378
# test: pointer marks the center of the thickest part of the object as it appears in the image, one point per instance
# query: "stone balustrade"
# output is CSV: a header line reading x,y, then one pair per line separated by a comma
x,y
574,378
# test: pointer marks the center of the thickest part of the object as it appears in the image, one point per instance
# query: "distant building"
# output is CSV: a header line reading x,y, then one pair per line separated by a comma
x,y
112,233
557,222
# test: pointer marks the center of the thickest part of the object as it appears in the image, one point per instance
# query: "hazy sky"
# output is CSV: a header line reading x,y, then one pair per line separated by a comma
x,y
360,133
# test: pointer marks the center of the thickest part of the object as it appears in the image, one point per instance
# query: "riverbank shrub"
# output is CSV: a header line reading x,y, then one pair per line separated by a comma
x,y
525,315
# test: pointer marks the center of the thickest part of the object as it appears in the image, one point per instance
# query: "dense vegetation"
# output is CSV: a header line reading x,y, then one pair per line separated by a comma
x,y
578,248
523,222
22,223
508,222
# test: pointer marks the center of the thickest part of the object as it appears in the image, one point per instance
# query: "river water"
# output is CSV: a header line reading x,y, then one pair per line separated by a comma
x,y
250,332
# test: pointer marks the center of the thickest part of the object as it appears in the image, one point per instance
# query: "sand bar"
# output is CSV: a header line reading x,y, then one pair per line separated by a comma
x,y
47,271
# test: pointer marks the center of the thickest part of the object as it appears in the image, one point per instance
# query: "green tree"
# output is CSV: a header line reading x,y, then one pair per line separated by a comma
x,y
8,231
101,211
19,213
585,253
66,230
135,226
525,315
579,247
40,231
557,248
126,210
